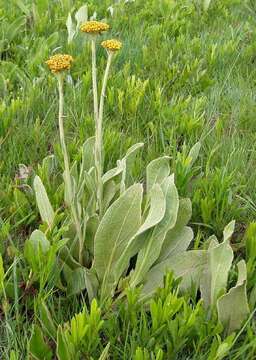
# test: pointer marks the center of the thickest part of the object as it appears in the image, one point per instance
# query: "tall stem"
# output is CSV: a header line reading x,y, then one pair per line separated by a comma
x,y
98,131
67,175
103,92
62,141
99,135
94,80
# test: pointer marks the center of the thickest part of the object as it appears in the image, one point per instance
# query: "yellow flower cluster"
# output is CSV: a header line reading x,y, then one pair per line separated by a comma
x,y
59,62
94,27
112,45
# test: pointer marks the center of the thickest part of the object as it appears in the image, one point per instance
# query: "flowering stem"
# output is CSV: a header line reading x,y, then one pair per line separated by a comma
x,y
98,142
94,79
99,137
67,175
103,92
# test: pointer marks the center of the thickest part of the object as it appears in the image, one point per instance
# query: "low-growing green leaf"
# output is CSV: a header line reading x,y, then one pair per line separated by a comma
x,y
228,231
233,307
194,152
157,171
119,224
154,216
188,265
81,279
178,238
43,203
214,279
35,246
150,252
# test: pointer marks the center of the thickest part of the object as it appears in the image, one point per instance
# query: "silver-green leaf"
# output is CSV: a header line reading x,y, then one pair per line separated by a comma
x,y
43,203
187,265
155,238
214,280
157,171
233,307
119,224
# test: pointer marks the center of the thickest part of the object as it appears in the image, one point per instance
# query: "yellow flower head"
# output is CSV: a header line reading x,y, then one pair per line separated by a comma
x,y
94,27
112,45
59,62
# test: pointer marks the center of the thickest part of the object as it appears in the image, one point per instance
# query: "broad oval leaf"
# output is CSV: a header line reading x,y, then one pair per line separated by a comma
x,y
188,265
194,152
119,224
43,203
233,307
157,171
155,215
150,252
36,246
214,279
178,238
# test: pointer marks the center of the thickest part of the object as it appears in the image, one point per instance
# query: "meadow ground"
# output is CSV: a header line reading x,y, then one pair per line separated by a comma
x,y
184,75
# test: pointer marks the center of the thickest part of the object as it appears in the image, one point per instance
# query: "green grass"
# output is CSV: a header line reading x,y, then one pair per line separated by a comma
x,y
183,76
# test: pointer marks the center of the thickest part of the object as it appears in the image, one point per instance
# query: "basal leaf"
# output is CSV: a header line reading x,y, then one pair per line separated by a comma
x,y
81,279
157,171
155,238
188,265
228,231
233,307
36,247
154,216
43,203
119,224
112,173
194,152
214,279
178,238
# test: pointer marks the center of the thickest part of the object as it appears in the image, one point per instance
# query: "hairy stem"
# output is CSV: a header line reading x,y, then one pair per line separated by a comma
x,y
67,175
99,135
98,131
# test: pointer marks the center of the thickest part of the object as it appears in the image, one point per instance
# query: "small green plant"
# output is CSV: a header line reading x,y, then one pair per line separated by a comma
x,y
122,235
109,220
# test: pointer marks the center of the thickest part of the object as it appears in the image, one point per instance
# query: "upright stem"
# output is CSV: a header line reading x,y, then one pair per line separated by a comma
x,y
62,141
94,80
67,175
99,136
98,142
103,92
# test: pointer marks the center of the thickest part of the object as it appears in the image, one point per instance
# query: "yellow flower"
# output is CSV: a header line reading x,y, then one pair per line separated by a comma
x,y
94,27
59,62
112,45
